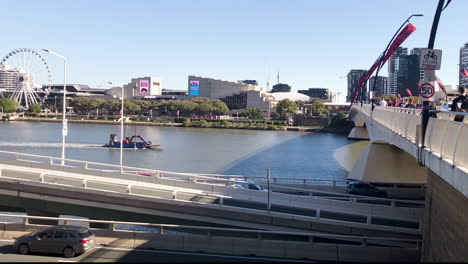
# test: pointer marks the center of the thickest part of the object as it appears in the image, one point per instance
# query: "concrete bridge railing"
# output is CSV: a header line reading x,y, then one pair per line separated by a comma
x,y
315,246
446,141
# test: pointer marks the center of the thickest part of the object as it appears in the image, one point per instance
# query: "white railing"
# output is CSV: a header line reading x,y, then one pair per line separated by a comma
x,y
171,192
210,231
201,179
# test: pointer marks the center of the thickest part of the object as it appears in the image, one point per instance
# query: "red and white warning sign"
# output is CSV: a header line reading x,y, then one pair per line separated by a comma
x,y
426,91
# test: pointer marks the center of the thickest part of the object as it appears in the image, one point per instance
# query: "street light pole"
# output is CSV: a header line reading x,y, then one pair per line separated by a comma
x,y
426,104
121,129
383,54
64,120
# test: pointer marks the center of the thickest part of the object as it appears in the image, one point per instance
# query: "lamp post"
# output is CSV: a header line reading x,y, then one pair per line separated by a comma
x,y
426,104
121,128
64,120
385,51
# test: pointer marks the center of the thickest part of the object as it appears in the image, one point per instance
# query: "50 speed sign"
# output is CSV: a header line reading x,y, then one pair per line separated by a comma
x,y
426,90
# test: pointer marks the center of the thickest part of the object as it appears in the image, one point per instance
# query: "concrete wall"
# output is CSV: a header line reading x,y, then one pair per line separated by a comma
x,y
445,231
232,245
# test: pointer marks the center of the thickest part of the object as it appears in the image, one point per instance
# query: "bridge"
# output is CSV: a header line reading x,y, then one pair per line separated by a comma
x,y
397,154
42,187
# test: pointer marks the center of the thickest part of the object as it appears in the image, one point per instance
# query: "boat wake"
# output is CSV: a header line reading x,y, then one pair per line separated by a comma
x,y
47,145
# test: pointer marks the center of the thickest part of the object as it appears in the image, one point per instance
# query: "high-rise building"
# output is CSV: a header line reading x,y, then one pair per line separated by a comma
x,y
392,74
381,86
417,51
321,93
353,79
463,80
408,74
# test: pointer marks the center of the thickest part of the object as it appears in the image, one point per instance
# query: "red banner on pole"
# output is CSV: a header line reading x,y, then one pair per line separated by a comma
x,y
402,36
409,92
465,72
441,85
399,95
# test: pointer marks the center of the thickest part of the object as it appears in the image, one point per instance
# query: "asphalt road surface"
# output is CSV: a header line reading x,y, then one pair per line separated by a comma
x,y
106,254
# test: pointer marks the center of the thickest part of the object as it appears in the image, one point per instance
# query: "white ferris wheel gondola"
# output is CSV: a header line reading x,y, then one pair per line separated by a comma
x,y
26,75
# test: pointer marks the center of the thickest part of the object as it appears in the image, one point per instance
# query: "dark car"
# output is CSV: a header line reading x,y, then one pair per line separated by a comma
x,y
66,239
367,189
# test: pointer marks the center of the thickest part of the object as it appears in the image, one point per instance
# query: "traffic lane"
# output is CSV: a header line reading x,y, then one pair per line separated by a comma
x,y
107,254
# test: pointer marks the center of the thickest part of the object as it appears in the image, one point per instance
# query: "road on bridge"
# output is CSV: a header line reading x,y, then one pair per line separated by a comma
x,y
107,254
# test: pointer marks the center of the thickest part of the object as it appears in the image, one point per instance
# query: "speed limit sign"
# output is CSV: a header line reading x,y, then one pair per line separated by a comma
x,y
426,90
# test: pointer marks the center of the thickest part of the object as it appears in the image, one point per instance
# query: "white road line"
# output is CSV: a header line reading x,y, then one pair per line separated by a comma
x,y
62,260
198,254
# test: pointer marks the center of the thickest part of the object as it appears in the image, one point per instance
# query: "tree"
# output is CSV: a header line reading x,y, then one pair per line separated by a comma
x,y
254,113
8,105
34,108
112,106
285,108
319,108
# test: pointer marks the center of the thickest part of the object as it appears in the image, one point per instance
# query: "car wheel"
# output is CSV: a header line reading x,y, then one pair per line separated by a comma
x,y
23,249
68,252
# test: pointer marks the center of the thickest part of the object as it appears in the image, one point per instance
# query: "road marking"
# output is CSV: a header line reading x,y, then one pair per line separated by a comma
x,y
6,240
62,260
199,254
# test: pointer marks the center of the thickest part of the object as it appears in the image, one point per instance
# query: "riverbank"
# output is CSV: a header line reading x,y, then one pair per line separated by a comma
x,y
172,124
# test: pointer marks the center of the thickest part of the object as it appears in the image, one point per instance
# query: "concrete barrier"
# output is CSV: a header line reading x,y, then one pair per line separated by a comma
x,y
224,245
15,230
160,241
123,239
311,251
271,248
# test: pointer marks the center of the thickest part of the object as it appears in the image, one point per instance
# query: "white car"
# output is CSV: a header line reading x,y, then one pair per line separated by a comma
x,y
245,184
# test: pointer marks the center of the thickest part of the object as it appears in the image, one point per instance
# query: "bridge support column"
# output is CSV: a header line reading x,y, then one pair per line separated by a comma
x,y
359,133
445,228
32,212
385,163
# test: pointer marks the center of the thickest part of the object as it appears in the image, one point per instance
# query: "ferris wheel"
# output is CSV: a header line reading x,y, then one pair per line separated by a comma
x,y
26,75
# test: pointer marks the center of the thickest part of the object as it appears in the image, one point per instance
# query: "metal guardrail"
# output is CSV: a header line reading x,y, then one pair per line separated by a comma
x,y
260,234
191,177
126,186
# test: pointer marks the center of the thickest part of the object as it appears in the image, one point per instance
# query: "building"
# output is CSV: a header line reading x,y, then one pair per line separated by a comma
x,y
392,67
381,85
281,88
9,78
236,95
408,74
253,82
353,79
463,80
321,93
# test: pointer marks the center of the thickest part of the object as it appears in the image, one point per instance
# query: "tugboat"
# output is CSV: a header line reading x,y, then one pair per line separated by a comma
x,y
135,142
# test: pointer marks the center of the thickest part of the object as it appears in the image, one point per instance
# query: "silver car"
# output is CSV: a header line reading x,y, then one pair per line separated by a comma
x,y
63,239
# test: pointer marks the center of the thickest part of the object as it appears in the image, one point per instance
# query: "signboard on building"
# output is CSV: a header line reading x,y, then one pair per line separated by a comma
x,y
144,86
194,88
430,59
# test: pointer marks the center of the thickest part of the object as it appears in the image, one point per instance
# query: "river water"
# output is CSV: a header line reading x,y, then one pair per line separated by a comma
x,y
199,150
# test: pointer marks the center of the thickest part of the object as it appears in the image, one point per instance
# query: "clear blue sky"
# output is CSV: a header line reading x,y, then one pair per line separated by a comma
x,y
312,42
